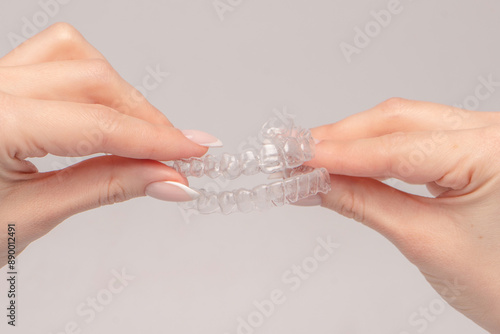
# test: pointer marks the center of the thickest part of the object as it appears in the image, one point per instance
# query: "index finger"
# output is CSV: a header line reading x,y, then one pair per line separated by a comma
x,y
414,157
74,129
397,114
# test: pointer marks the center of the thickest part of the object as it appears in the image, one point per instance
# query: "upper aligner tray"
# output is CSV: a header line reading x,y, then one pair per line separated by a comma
x,y
285,147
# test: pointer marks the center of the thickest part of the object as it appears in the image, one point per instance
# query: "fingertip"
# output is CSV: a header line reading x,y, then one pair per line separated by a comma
x,y
177,146
320,132
324,156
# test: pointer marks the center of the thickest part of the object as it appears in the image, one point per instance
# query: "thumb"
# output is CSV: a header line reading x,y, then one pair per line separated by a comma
x,y
95,182
377,205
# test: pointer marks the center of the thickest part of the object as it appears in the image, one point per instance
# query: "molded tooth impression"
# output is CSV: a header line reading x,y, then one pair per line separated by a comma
x,y
284,149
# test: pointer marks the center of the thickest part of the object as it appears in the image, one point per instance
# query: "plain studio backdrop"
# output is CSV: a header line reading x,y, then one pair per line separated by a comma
x,y
146,267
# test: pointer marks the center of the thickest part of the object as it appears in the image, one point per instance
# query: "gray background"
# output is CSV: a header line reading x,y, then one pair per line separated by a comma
x,y
199,274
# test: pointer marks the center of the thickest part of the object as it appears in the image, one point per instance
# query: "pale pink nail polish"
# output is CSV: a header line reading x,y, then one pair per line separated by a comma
x,y
202,138
171,191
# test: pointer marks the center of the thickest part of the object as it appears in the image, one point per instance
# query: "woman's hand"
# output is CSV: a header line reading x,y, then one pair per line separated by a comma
x,y
454,238
58,95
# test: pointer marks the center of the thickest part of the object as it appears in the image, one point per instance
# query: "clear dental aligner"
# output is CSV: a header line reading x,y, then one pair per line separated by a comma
x,y
285,147
301,184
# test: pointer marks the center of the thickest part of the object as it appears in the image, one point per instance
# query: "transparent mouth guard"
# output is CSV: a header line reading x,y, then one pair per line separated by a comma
x,y
285,147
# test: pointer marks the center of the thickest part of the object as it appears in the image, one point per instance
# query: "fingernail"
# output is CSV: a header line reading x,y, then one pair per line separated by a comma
x,y
171,191
317,141
314,200
202,138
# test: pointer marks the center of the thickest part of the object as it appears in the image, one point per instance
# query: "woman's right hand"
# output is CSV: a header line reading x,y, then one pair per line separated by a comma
x,y
454,238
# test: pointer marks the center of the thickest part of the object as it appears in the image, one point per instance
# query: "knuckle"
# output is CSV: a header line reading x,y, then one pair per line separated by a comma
x,y
65,32
350,206
393,106
106,119
388,144
113,192
100,71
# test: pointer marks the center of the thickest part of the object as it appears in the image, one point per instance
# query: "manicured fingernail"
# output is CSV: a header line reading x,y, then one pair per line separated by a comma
x,y
202,138
171,191
317,141
314,200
